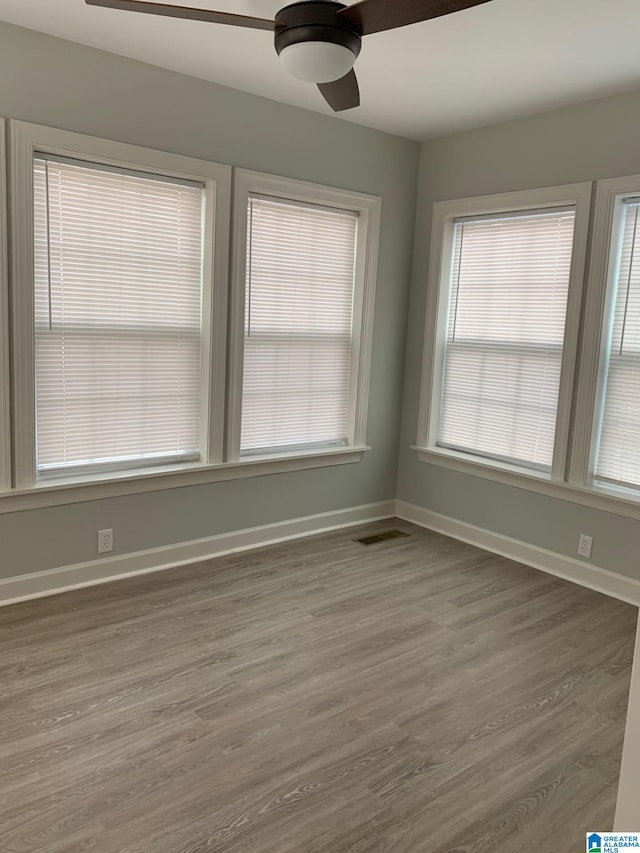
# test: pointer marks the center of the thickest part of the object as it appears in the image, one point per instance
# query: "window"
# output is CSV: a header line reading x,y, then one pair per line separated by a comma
x,y
118,331
504,350
137,362
298,312
609,390
606,446
305,282
119,349
618,449
5,474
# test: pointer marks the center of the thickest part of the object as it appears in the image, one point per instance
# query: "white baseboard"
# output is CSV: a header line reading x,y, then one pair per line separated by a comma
x,y
585,574
94,572
107,569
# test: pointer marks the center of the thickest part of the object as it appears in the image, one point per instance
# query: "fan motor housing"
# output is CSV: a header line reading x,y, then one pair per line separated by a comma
x,y
314,20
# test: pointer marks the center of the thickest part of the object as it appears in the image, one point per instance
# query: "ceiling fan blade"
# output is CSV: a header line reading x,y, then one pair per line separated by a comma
x,y
185,12
342,94
376,16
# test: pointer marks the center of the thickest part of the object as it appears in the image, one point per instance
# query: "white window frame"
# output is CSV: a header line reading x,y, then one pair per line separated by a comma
x,y
369,210
607,221
445,214
5,420
27,141
23,492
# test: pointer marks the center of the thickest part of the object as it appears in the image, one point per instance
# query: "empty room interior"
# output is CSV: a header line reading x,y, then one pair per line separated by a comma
x,y
319,426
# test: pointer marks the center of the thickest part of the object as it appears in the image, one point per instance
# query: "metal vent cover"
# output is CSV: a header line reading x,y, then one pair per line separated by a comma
x,y
381,537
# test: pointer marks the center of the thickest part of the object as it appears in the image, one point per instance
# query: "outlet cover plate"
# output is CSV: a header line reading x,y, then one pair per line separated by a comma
x,y
585,544
105,541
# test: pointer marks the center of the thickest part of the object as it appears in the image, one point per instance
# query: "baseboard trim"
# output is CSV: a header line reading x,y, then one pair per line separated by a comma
x,y
593,577
54,581
91,573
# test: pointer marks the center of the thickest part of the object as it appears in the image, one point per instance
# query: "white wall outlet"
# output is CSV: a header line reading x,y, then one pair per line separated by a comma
x,y
105,541
585,543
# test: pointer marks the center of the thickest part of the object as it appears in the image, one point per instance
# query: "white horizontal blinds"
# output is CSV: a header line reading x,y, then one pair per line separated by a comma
x,y
618,456
503,350
298,325
118,281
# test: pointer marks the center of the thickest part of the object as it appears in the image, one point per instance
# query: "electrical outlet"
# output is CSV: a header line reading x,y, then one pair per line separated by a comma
x,y
585,544
105,541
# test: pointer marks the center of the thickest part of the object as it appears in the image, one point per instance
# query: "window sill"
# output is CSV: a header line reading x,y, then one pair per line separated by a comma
x,y
616,501
77,490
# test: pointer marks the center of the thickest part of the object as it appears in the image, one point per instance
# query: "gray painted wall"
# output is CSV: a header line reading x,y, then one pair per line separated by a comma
x,y
57,83
61,84
587,142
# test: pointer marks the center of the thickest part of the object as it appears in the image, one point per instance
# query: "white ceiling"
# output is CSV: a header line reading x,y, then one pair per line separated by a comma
x,y
504,59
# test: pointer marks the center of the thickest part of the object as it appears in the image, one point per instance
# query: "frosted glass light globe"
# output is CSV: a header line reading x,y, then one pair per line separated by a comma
x,y
317,61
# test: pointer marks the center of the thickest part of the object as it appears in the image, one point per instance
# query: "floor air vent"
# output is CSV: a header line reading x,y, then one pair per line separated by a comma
x,y
381,537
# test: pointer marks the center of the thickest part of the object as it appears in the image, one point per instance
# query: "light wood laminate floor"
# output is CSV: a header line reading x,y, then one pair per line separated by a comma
x,y
317,695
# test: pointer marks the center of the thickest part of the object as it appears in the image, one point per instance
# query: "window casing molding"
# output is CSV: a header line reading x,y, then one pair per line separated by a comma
x,y
444,216
26,141
616,501
5,445
369,211
121,483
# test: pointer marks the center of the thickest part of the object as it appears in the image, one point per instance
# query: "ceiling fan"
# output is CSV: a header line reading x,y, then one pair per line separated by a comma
x,y
318,41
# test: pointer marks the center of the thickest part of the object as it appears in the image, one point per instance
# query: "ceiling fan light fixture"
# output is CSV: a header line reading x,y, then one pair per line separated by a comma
x,y
318,40
313,42
317,61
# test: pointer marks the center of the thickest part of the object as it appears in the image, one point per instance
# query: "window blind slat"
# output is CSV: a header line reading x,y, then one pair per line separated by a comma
x,y
618,456
505,333
118,291
298,322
